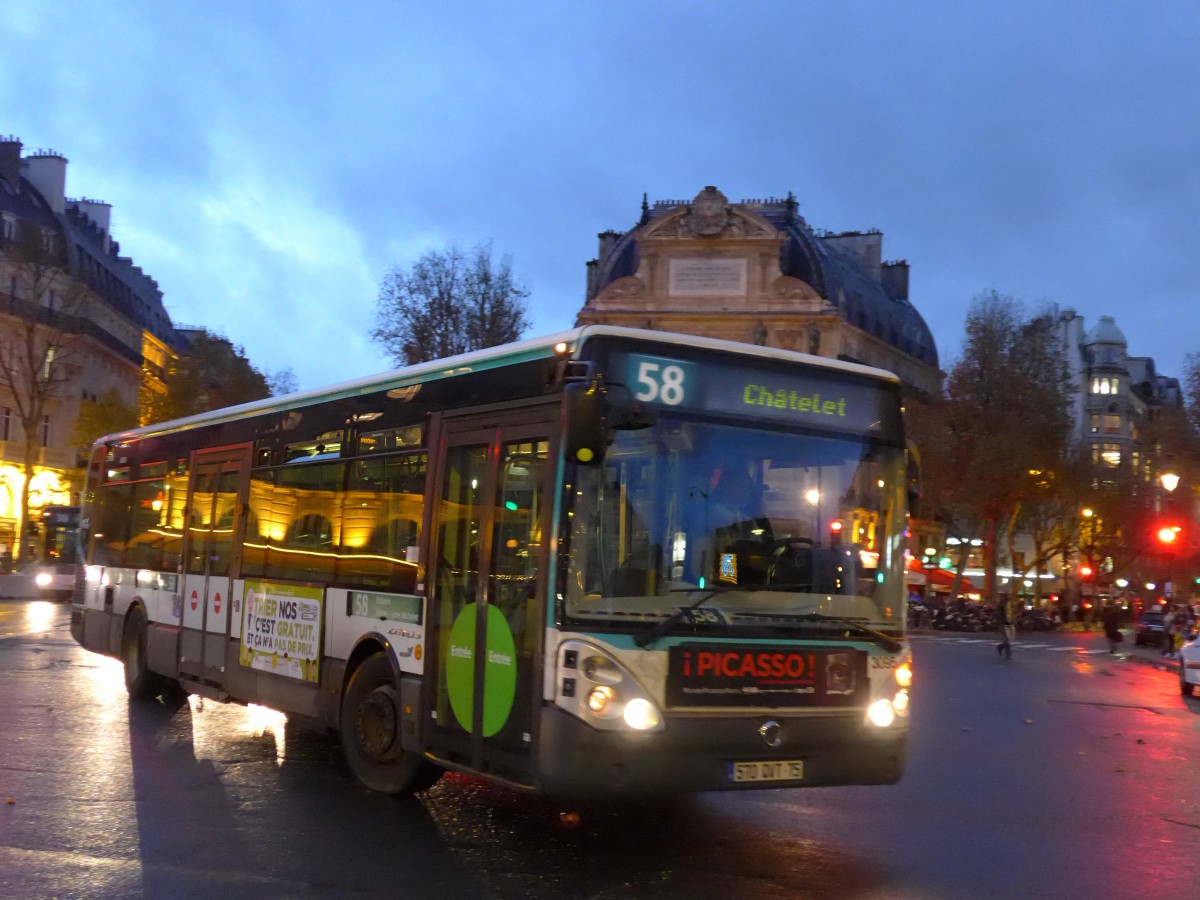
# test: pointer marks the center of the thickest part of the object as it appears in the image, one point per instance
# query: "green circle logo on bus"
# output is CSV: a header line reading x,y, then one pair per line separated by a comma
x,y
499,670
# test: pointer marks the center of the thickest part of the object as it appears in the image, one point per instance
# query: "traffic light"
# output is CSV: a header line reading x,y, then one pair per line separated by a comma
x,y
835,532
1086,570
1168,534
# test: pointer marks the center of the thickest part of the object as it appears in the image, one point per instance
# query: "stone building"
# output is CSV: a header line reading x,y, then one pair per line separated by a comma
x,y
94,320
1116,396
755,271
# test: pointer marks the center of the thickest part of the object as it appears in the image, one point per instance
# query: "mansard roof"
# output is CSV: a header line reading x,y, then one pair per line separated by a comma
x,y
877,306
92,255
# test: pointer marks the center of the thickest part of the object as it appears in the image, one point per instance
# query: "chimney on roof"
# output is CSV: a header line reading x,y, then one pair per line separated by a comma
x,y
894,276
865,247
10,160
100,214
46,170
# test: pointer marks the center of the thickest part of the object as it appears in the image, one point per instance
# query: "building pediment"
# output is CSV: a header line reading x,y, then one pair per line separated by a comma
x,y
710,216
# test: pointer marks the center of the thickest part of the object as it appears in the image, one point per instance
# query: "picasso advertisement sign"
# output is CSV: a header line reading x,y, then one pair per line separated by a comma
x,y
717,675
281,629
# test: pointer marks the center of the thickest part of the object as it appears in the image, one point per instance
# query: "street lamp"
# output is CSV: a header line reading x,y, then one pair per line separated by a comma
x,y
1170,481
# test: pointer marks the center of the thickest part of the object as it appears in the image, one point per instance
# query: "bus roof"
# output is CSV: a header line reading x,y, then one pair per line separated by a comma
x,y
478,361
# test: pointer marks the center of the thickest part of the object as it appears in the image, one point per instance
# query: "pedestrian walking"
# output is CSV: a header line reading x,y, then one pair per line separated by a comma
x,y
1168,640
1006,619
1111,618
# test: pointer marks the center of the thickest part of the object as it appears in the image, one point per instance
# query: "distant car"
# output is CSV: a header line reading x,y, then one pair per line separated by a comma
x,y
1189,667
1149,628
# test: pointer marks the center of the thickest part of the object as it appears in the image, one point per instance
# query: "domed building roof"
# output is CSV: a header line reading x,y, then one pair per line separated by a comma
x,y
1105,331
846,270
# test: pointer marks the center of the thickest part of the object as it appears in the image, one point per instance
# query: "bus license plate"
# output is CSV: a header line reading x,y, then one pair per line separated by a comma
x,y
768,770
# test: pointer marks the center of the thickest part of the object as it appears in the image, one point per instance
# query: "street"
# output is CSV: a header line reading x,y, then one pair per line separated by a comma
x,y
1063,773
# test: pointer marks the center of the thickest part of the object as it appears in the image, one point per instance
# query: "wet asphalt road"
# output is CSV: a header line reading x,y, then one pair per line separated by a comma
x,y
1065,773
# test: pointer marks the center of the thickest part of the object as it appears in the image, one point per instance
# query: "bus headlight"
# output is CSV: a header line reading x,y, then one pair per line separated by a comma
x,y
593,685
43,579
904,675
881,713
600,699
641,715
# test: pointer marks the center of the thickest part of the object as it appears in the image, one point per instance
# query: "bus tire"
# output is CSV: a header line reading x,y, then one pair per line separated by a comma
x,y
370,733
140,682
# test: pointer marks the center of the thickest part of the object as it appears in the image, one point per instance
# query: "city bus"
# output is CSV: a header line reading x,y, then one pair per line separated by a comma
x,y
59,552
522,563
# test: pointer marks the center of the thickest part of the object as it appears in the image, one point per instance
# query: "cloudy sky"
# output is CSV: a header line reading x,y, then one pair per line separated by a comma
x,y
269,161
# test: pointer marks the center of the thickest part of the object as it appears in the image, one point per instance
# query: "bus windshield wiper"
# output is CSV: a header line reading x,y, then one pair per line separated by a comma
x,y
887,642
680,615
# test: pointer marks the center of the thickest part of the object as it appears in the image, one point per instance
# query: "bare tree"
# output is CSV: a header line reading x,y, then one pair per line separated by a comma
x,y
1007,415
45,323
449,302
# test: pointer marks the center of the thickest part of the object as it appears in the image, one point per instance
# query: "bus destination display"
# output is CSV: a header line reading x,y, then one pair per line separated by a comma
x,y
810,397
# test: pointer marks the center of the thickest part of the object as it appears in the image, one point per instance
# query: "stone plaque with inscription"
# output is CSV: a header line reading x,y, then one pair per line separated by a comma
x,y
701,277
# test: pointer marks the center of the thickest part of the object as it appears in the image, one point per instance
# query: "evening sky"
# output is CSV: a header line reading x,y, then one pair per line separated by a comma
x,y
269,161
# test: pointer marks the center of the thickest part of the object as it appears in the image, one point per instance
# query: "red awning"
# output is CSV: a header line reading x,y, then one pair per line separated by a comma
x,y
941,578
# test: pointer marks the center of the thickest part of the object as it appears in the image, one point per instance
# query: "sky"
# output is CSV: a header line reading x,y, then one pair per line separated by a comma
x,y
269,162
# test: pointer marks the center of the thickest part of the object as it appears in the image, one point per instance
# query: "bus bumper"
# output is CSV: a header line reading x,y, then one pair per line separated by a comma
x,y
698,753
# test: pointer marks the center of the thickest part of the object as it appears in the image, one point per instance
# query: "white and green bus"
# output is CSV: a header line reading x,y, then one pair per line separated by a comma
x,y
610,562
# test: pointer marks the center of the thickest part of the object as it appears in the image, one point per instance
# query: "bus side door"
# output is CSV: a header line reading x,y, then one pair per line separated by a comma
x,y
215,521
490,524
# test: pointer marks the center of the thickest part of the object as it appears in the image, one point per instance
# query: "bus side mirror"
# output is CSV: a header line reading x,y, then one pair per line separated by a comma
x,y
593,411
584,433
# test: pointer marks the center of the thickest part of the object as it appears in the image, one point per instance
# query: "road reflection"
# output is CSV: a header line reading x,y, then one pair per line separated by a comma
x,y
715,845
40,615
237,801
210,734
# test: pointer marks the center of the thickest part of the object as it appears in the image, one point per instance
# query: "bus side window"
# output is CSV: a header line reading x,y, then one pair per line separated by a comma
x,y
384,506
110,524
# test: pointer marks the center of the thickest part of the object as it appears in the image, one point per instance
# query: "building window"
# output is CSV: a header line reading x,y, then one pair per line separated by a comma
x,y
1095,424
45,431
1104,384
1112,424
5,423
1108,455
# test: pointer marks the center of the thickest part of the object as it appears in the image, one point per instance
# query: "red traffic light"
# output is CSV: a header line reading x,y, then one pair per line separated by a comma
x,y
1086,571
1168,534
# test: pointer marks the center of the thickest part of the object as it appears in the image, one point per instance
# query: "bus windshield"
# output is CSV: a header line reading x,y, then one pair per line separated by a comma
x,y
760,528
60,535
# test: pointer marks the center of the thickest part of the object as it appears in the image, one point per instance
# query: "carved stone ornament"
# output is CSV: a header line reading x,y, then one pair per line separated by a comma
x,y
624,288
709,214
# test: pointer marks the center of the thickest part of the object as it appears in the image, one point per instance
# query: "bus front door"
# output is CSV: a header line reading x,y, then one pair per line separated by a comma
x,y
216,498
489,533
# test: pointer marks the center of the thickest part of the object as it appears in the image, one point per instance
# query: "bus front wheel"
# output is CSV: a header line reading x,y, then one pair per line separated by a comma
x,y
370,733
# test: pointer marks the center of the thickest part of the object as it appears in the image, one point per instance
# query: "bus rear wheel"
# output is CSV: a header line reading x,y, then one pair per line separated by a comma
x,y
370,733
140,682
